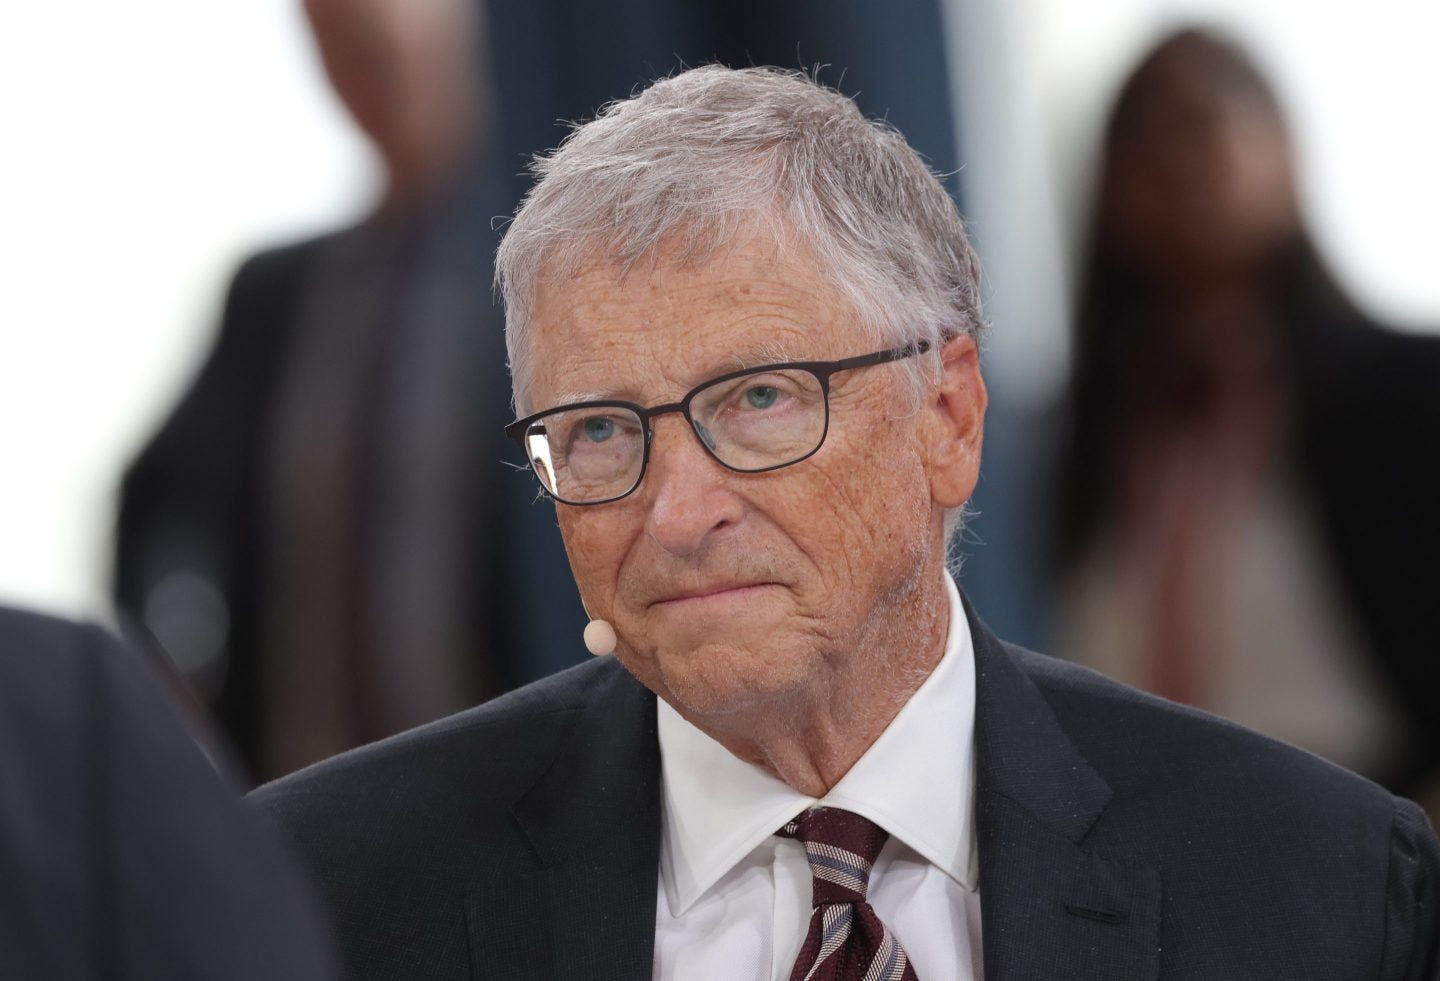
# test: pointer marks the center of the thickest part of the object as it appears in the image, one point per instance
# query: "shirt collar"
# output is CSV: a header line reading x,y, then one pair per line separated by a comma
x,y
717,808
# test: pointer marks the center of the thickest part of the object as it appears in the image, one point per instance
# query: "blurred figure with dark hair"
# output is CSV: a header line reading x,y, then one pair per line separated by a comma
x,y
323,536
1248,521
123,854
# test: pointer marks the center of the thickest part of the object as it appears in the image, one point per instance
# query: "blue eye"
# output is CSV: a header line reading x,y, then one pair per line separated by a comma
x,y
598,429
761,396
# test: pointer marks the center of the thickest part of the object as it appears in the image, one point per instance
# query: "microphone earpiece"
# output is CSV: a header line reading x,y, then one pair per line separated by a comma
x,y
599,638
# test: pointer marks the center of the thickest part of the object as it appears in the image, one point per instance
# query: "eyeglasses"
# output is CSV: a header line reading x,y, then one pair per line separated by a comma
x,y
749,421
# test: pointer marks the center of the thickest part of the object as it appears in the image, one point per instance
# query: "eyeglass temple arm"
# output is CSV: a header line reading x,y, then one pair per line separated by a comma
x,y
880,357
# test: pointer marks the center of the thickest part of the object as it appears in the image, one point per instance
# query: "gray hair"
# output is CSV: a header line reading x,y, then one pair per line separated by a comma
x,y
697,160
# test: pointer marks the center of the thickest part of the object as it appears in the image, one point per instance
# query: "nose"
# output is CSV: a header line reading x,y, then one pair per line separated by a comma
x,y
687,493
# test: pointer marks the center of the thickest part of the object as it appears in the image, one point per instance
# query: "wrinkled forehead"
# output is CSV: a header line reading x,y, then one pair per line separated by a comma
x,y
653,328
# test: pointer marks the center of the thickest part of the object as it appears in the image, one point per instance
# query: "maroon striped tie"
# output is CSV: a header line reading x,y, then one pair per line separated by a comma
x,y
846,940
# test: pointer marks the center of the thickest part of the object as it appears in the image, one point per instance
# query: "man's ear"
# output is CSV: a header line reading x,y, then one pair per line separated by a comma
x,y
957,408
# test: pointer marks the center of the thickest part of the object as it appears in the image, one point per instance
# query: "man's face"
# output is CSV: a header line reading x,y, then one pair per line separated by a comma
x,y
731,590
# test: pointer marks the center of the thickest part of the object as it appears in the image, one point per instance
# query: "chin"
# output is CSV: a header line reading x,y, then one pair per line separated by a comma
x,y
714,680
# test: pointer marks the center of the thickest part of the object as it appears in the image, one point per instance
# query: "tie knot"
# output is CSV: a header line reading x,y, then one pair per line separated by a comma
x,y
841,847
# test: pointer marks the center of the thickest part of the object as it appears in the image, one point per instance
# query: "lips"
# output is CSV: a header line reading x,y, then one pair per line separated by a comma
x,y
714,591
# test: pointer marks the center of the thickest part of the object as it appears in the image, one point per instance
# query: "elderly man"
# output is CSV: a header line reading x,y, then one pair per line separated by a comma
x,y
742,325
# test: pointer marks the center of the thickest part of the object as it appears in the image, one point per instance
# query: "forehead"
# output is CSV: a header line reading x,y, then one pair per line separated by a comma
x,y
654,331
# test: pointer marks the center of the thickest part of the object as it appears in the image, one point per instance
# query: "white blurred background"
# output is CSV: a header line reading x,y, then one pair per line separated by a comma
x,y
151,145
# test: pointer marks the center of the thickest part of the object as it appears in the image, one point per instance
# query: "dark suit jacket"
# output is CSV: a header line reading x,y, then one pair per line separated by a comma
x,y
1120,836
1367,427
191,502
122,852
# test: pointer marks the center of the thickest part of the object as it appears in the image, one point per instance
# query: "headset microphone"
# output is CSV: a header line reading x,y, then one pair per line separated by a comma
x,y
599,637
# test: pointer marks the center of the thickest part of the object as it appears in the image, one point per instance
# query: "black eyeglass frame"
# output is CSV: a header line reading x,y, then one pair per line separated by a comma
x,y
821,370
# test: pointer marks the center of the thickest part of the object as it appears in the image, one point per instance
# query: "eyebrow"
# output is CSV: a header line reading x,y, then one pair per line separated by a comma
x,y
766,352
762,354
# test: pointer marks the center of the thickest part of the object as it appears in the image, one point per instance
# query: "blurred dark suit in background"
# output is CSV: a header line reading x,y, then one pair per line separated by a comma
x,y
329,492
1246,508
322,536
123,854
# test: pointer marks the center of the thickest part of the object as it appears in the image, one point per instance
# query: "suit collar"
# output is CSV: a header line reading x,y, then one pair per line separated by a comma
x,y
586,906
1050,907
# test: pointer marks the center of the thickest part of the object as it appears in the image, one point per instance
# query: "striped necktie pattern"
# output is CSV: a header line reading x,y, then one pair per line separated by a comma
x,y
846,940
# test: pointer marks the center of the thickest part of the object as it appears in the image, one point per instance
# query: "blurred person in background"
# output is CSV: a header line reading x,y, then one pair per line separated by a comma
x,y
1247,519
123,853
312,536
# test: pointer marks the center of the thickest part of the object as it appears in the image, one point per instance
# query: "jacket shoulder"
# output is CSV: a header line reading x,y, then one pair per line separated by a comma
x,y
397,833
492,750
1141,740
1235,822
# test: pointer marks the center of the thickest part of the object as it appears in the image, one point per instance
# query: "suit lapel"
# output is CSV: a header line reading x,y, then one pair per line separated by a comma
x,y
586,906
1049,907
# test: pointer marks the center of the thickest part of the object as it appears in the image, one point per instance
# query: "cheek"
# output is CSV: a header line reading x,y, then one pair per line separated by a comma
x,y
595,549
900,511
876,507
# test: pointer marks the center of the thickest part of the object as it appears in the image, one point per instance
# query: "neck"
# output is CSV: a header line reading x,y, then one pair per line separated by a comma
x,y
812,739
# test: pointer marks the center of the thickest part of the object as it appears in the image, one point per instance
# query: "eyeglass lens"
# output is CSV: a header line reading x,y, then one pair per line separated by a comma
x,y
759,421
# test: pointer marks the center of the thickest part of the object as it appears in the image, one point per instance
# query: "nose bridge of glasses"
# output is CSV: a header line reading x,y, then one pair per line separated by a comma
x,y
689,421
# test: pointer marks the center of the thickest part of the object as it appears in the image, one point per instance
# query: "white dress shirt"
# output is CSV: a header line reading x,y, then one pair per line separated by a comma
x,y
735,899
